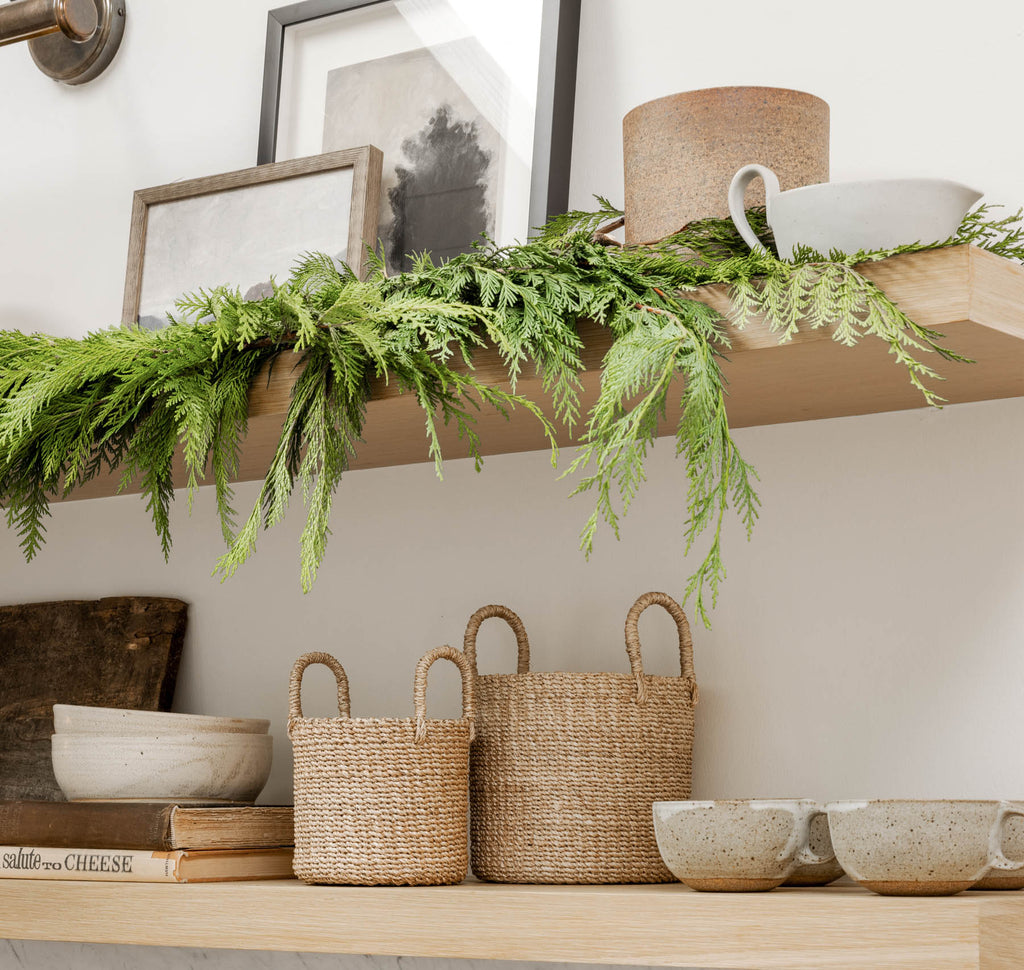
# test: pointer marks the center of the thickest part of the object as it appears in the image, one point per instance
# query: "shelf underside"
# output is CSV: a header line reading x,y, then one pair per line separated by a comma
x,y
974,298
836,927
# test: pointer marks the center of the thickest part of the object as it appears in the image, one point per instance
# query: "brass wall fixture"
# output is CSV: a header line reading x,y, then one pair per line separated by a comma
x,y
71,41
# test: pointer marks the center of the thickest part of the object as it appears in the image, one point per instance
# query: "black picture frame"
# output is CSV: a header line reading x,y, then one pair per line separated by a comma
x,y
555,104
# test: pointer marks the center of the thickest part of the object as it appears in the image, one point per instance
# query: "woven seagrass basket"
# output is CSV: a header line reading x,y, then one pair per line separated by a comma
x,y
565,766
381,801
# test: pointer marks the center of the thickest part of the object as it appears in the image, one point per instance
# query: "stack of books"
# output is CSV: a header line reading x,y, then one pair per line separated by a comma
x,y
144,841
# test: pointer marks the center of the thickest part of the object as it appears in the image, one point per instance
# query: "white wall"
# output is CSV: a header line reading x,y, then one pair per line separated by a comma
x,y
867,641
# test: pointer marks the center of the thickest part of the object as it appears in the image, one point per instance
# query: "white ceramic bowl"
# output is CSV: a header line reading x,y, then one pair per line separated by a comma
x,y
76,719
175,767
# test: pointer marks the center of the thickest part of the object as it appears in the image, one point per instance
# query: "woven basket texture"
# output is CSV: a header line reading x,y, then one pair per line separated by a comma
x,y
381,801
565,766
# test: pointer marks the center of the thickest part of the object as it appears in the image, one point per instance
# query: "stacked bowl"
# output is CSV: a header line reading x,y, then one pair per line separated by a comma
x,y
894,847
110,753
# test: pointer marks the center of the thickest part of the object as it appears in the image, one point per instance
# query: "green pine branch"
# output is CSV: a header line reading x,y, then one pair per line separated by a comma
x,y
127,400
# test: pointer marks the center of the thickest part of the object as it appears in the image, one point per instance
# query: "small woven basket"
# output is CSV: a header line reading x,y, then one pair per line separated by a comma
x,y
565,766
381,801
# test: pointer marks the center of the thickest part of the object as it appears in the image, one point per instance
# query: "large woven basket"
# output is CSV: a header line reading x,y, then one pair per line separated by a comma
x,y
381,801
565,766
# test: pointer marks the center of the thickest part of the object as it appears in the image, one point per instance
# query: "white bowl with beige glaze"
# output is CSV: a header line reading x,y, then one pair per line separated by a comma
x,y
736,845
172,767
80,719
907,847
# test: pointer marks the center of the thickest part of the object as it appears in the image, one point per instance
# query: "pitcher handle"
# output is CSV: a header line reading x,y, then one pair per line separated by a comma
x,y
737,190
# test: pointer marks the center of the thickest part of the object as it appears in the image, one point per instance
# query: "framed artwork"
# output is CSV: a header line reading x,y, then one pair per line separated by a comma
x,y
471,102
244,227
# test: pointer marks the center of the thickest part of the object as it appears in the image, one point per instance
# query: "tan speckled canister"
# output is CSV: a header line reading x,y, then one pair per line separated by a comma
x,y
680,152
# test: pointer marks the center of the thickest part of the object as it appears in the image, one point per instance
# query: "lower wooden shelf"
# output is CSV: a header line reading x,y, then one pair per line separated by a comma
x,y
835,927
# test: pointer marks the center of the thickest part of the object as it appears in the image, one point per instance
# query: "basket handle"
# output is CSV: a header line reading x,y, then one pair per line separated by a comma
x,y
295,684
685,642
504,613
419,690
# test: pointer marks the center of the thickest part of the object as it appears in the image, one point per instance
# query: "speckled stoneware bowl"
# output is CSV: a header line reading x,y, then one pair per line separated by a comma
x,y
821,873
920,848
735,845
80,719
176,767
1013,848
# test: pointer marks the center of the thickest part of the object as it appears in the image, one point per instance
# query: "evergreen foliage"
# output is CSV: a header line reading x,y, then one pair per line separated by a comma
x,y
126,398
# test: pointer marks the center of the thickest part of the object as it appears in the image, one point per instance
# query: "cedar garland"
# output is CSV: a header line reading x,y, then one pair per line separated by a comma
x,y
125,398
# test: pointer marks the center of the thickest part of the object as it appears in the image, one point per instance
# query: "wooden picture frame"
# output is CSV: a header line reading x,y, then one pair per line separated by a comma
x,y
225,229
354,87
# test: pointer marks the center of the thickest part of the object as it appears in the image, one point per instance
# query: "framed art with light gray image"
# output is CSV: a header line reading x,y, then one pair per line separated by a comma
x,y
471,102
244,228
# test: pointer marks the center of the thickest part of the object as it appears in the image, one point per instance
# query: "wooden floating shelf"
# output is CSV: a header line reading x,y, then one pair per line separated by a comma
x,y
973,297
842,927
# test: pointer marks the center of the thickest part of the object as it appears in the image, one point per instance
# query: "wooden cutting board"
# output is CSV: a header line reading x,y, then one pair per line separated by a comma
x,y
122,651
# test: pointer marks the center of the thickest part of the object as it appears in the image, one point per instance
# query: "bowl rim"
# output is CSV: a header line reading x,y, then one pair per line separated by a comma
x,y
766,802
208,739
924,180
854,804
119,715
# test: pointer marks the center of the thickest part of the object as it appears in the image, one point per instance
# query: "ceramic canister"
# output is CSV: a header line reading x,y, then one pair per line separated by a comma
x,y
680,152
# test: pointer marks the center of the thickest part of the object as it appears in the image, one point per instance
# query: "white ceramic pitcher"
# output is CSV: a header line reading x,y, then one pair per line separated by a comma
x,y
851,216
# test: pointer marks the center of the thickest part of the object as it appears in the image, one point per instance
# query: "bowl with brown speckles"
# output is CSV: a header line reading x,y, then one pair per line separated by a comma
x,y
736,845
909,847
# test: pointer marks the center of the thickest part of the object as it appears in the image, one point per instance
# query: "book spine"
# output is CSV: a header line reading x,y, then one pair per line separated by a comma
x,y
38,862
103,825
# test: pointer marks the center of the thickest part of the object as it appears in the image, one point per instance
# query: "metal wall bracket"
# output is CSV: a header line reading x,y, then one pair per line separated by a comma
x,y
75,62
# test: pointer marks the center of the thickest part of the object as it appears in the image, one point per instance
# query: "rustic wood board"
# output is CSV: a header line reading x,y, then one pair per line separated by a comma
x,y
122,651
